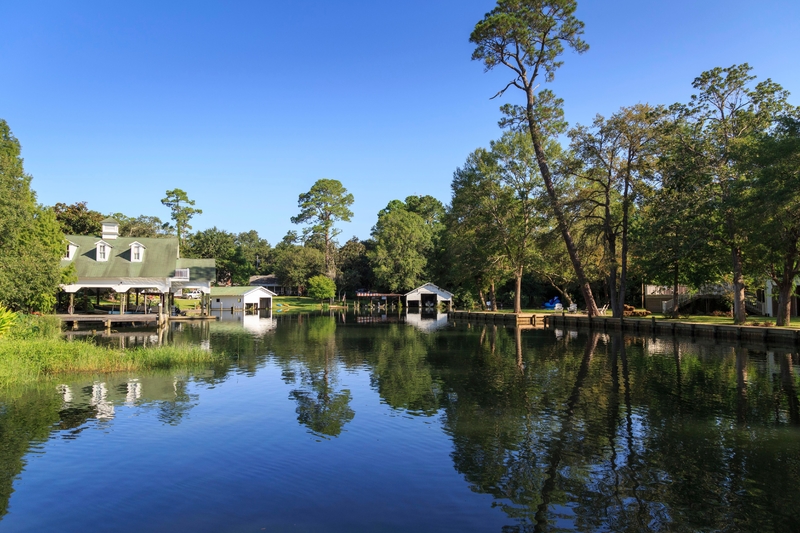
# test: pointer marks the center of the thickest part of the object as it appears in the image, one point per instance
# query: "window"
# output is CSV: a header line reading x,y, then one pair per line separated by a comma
x,y
101,252
137,253
181,273
67,254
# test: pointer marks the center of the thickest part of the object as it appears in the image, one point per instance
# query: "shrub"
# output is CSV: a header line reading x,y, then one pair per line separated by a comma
x,y
35,327
7,320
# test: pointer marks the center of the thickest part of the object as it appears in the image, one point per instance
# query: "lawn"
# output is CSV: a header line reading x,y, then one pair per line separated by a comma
x,y
295,303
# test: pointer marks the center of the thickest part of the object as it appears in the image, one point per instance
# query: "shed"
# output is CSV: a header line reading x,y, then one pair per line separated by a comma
x,y
429,296
246,298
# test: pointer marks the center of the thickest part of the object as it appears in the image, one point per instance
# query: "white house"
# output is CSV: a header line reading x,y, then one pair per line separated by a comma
x,y
247,298
770,299
429,296
127,264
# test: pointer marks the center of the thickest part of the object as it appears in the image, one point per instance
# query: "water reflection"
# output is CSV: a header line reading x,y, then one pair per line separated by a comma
x,y
30,417
631,437
562,429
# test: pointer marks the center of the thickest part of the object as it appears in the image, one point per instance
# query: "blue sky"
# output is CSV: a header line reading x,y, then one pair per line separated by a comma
x,y
246,104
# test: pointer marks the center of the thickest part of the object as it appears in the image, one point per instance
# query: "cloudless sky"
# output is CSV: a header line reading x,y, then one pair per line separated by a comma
x,y
245,105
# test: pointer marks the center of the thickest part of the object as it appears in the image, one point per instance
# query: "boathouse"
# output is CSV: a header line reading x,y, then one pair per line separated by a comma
x,y
428,297
247,298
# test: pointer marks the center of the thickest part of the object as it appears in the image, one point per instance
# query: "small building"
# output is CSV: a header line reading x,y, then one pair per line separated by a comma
x,y
428,297
247,298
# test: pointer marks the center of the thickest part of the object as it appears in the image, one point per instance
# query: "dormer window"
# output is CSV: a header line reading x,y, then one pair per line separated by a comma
x,y
103,250
71,249
137,252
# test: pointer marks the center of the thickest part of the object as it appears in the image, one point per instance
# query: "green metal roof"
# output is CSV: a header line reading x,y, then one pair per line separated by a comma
x,y
159,261
233,291
109,221
200,269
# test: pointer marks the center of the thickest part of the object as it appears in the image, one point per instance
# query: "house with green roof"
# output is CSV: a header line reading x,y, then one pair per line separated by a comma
x,y
125,264
246,298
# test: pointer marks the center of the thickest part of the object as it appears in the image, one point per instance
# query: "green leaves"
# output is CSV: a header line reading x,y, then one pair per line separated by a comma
x,y
402,243
31,241
527,36
323,205
7,320
321,288
181,211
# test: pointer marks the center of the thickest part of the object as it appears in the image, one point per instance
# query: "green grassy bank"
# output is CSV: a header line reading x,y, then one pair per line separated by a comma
x,y
33,350
295,303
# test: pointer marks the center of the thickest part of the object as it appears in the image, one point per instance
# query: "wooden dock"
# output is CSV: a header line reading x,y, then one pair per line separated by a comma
x,y
150,319
134,319
506,319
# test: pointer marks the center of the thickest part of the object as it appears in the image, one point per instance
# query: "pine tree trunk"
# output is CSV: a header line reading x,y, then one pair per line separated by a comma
x,y
623,275
572,250
518,292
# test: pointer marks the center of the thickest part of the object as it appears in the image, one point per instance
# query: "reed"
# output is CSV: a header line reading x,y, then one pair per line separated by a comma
x,y
34,350
30,360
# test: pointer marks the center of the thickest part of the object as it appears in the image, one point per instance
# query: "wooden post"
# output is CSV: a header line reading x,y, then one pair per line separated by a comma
x,y
71,309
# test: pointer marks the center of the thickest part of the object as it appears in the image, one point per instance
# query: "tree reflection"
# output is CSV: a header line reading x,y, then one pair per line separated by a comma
x,y
309,356
616,437
30,416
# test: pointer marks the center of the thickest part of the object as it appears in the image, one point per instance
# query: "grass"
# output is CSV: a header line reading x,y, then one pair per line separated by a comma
x,y
295,303
34,350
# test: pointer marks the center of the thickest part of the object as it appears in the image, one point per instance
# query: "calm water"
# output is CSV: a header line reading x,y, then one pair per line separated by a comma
x,y
333,423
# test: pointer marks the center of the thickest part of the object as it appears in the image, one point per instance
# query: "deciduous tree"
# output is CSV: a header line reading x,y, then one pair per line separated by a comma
x,y
31,241
775,238
726,114
78,219
402,243
321,288
616,160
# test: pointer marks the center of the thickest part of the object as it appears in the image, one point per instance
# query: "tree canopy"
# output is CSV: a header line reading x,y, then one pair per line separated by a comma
x,y
31,240
326,203
181,211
